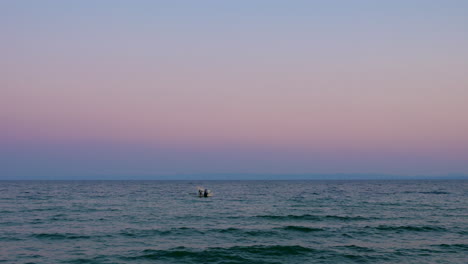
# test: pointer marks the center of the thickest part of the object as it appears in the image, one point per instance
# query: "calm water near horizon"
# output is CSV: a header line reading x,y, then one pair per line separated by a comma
x,y
372,221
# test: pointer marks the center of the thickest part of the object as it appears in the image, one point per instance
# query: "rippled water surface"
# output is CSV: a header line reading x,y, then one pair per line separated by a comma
x,y
244,222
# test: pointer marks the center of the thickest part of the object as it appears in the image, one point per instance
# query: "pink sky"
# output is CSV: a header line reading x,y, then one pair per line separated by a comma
x,y
304,84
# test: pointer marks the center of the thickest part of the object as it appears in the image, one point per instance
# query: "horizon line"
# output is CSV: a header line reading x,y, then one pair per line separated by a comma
x,y
248,177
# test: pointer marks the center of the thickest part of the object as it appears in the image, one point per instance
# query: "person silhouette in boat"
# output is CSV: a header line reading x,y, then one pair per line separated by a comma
x,y
205,193
200,192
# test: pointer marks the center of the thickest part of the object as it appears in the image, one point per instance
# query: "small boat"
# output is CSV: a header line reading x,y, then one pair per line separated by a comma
x,y
204,192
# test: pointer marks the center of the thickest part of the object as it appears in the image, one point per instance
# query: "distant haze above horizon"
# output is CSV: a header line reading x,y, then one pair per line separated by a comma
x,y
111,89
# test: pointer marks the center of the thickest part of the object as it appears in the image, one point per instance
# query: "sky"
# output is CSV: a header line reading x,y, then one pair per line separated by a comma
x,y
151,89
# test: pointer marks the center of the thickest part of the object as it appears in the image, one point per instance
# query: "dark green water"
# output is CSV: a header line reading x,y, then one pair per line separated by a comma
x,y
244,222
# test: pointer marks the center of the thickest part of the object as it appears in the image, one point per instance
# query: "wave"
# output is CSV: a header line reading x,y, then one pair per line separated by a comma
x,y
10,238
41,209
97,259
205,256
356,248
301,229
251,232
274,250
314,217
192,231
153,232
433,250
274,253
435,192
59,236
453,246
241,254
409,228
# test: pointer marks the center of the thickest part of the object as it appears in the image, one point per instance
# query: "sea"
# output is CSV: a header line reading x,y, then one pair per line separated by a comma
x,y
340,221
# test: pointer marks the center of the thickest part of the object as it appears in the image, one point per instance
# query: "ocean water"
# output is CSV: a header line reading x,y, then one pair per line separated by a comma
x,y
244,222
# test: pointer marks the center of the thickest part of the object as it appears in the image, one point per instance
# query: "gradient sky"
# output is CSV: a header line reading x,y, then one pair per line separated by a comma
x,y
140,89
